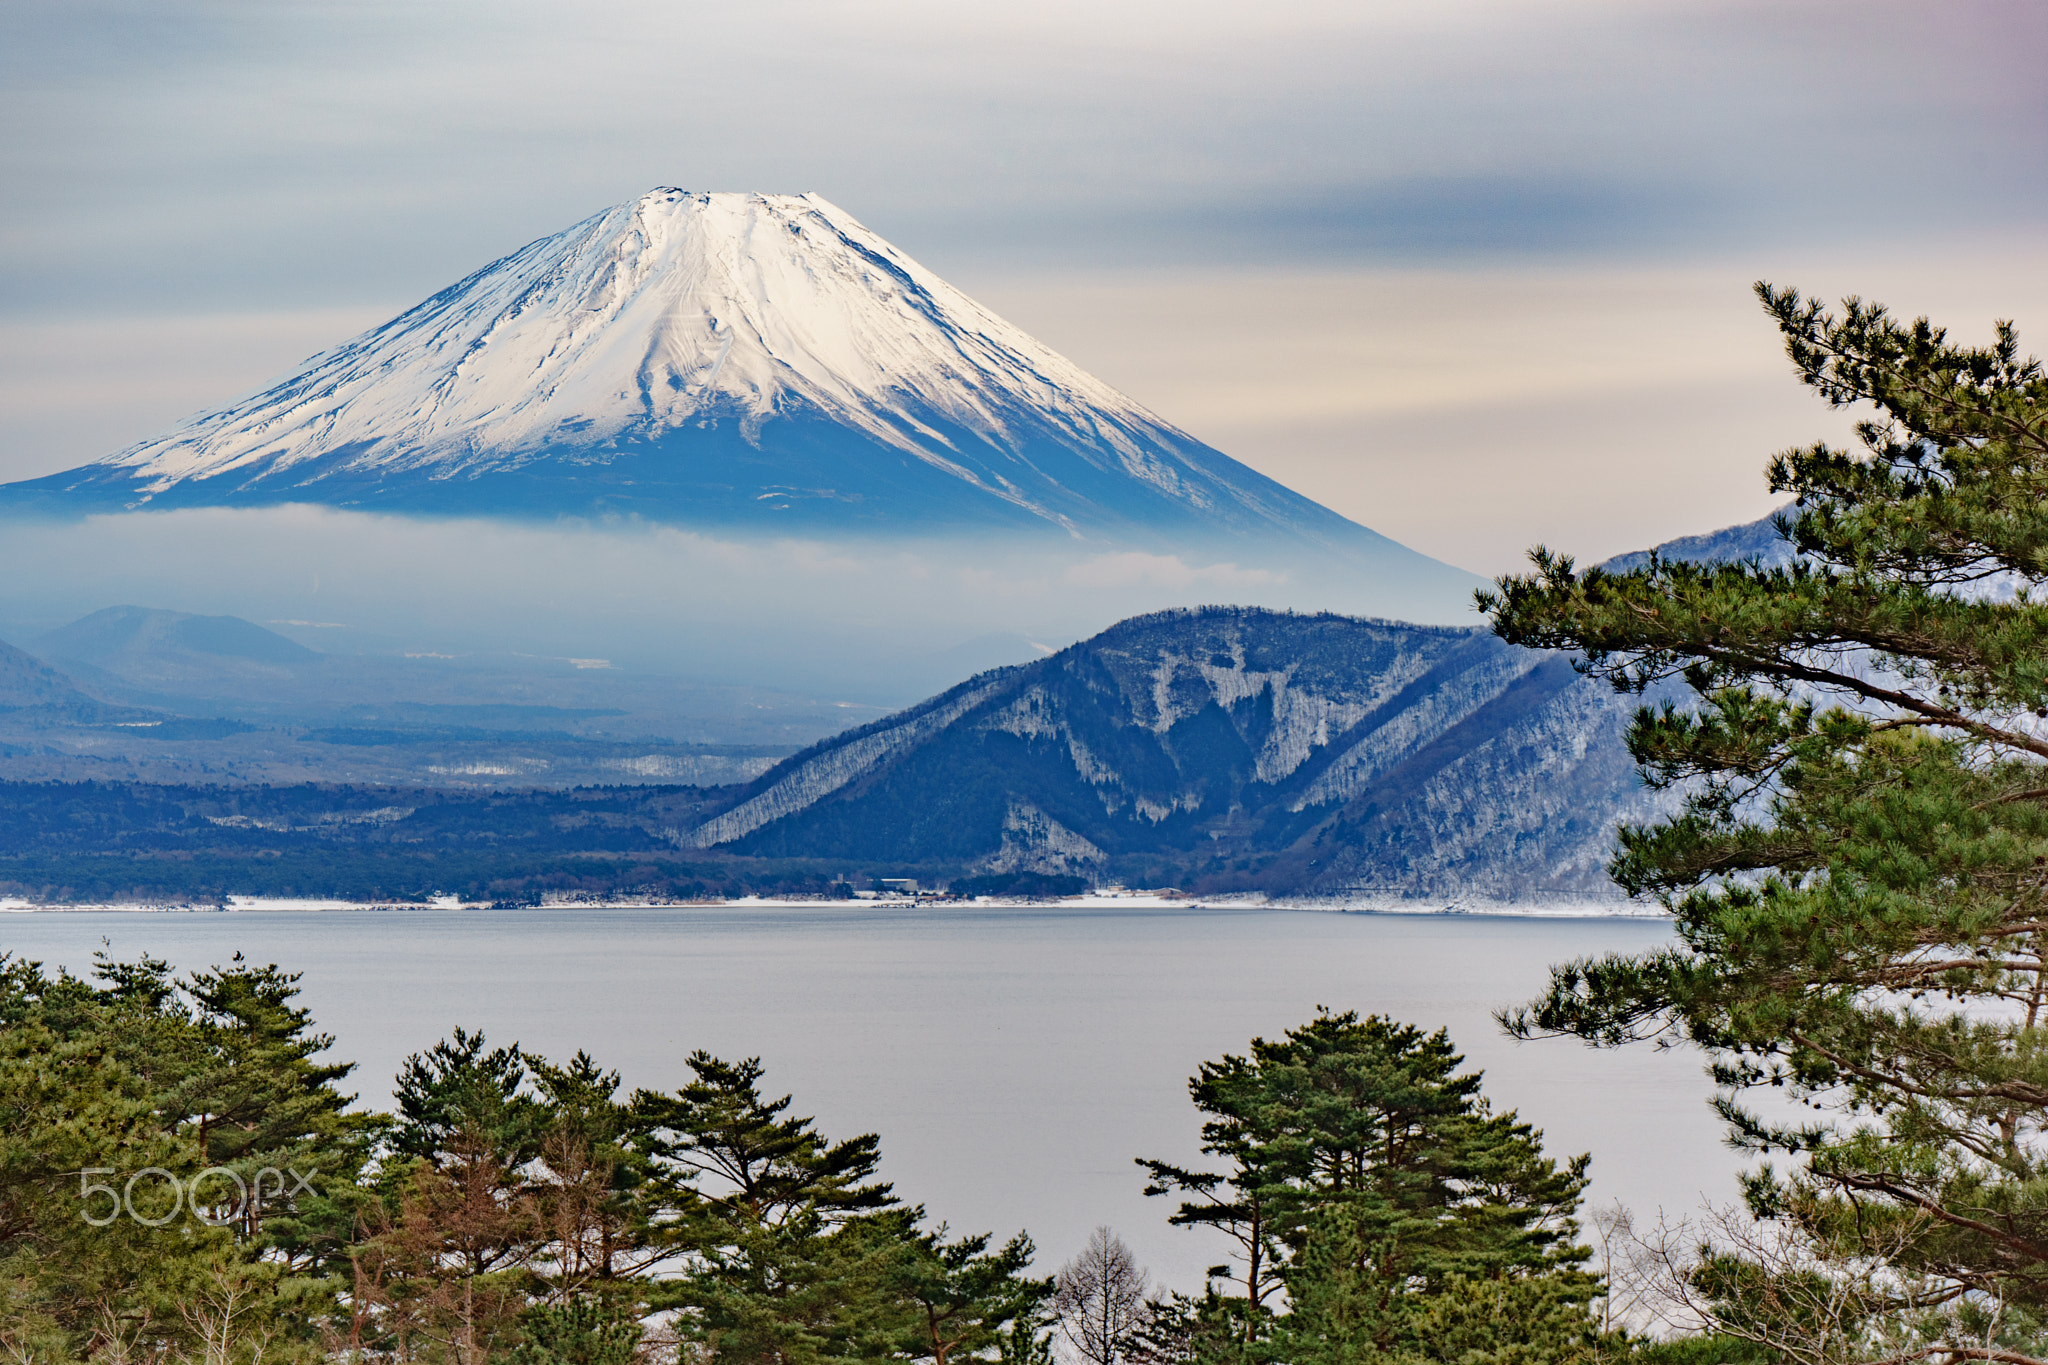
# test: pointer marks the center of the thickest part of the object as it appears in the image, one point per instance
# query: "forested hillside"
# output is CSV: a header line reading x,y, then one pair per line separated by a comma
x,y
1232,748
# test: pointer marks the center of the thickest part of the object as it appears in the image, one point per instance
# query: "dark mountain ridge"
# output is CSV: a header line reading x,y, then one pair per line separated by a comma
x,y
1230,749
1223,750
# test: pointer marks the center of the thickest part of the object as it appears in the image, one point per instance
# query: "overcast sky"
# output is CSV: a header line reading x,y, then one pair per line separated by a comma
x,y
1472,273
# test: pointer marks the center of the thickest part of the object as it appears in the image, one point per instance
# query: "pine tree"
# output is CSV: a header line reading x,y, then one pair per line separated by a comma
x,y
953,1299
1856,873
582,1332
96,1254
445,1255
783,1268
599,1192
459,1094
1382,1180
1237,1203
262,1108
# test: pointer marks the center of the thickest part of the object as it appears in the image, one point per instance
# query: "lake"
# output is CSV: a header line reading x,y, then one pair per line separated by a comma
x,y
1014,1059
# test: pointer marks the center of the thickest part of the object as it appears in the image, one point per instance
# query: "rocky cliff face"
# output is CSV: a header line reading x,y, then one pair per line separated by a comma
x,y
1232,749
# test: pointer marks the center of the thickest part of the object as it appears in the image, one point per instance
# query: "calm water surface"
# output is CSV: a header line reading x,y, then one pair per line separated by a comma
x,y
1014,1061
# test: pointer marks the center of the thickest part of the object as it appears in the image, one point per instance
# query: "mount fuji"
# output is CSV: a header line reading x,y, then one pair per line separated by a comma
x,y
741,361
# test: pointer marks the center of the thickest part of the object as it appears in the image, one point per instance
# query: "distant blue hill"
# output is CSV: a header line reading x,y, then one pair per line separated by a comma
x,y
110,634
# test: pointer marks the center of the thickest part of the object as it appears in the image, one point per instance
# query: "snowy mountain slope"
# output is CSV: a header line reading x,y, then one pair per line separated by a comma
x,y
715,359
1232,749
1758,540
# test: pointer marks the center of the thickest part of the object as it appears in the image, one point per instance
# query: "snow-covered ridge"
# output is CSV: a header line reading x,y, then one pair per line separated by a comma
x,y
1357,756
674,309
838,765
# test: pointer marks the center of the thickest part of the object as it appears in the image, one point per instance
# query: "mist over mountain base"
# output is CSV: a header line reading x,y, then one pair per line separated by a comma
x,y
844,619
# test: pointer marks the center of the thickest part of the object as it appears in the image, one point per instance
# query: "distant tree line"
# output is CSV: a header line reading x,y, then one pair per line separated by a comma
x,y
111,841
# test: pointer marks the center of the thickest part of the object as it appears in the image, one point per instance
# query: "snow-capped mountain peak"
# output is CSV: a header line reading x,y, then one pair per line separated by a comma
x,y
711,359
643,318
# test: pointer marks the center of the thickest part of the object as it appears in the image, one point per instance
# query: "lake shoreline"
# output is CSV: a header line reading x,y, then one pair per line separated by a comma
x,y
1453,906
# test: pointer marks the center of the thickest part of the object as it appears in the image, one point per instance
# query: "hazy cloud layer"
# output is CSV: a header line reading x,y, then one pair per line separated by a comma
x,y
834,618
1471,412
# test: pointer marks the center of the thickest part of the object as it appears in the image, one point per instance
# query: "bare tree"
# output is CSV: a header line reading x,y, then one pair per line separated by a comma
x,y
1635,1300
449,1270
1100,1299
232,1315
1806,1292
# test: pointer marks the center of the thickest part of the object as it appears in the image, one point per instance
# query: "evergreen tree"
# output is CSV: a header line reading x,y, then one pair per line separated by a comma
x,y
600,1194
954,1299
749,1160
1236,1203
515,1207
457,1094
1382,1181
582,1332
1210,1328
97,1255
445,1257
1856,872
262,1109
71,1267
230,1062
784,1266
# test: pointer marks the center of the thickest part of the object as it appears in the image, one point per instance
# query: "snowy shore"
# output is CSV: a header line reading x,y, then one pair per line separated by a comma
x,y
1095,900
